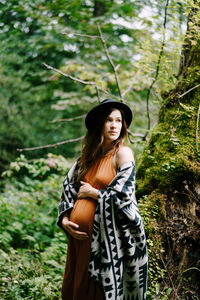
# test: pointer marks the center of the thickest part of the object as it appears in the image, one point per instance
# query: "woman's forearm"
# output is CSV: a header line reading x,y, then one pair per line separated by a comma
x,y
93,193
87,191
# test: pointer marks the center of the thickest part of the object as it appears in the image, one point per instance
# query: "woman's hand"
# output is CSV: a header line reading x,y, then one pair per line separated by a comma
x,y
87,191
71,228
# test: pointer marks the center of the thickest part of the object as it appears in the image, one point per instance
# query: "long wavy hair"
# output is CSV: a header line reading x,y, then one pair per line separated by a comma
x,y
93,142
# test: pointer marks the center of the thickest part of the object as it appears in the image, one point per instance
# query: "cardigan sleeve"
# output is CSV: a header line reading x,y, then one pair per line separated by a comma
x,y
69,194
118,251
122,191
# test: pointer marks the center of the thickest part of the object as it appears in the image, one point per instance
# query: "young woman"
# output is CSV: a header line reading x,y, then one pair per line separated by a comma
x,y
107,257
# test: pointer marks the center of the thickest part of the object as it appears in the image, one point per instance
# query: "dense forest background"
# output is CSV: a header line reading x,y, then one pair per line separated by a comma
x,y
57,60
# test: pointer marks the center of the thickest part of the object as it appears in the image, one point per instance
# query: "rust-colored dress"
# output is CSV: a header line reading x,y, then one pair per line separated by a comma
x,y
76,284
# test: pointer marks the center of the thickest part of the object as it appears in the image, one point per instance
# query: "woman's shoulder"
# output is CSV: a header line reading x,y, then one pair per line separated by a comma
x,y
124,150
123,155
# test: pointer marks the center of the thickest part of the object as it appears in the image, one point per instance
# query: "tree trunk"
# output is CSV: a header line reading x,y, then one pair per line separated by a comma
x,y
100,7
169,182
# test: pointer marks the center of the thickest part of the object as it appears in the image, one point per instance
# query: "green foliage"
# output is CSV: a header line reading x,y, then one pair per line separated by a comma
x,y
31,97
27,274
30,35
37,169
33,249
151,211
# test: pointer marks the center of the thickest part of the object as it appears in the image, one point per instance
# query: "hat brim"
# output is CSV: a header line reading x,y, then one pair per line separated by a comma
x,y
95,112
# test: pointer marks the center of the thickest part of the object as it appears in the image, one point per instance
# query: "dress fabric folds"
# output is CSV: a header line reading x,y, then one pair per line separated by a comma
x,y
76,284
115,255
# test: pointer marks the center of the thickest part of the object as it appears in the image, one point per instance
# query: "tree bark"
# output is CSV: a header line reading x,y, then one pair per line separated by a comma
x,y
169,180
190,38
100,7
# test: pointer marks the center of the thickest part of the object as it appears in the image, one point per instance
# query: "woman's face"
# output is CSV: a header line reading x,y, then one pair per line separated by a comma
x,y
112,126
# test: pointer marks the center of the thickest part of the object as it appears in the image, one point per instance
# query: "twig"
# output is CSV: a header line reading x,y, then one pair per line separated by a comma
x,y
135,141
190,193
69,76
173,287
171,250
192,268
157,68
137,96
82,82
135,134
106,92
68,120
52,145
131,84
98,94
115,68
195,87
84,35
197,129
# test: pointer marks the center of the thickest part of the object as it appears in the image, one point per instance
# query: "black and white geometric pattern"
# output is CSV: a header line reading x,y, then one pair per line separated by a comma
x,y
69,194
118,251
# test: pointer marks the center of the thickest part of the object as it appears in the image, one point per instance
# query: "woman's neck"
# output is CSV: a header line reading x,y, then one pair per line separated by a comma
x,y
107,147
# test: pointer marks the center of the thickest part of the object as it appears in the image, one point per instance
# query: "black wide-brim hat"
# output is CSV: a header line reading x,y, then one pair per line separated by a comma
x,y
97,111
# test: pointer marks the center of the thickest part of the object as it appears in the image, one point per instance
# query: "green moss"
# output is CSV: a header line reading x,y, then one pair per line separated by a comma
x,y
193,75
170,159
152,210
170,155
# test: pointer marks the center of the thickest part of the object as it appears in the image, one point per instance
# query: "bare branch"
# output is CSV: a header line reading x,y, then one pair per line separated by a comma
x,y
52,145
135,141
85,35
115,68
106,92
128,88
168,274
157,67
197,129
69,119
69,76
136,96
135,134
82,82
195,87
131,84
98,94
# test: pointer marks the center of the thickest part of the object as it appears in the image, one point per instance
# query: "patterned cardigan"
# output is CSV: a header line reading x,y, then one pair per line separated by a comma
x,y
118,250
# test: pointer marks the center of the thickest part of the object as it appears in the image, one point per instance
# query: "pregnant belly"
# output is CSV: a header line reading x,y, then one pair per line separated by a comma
x,y
83,214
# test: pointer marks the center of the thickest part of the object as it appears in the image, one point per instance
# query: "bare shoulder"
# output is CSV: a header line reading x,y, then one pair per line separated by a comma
x,y
123,155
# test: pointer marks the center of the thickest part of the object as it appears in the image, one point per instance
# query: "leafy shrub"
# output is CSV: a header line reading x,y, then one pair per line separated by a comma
x,y
33,249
